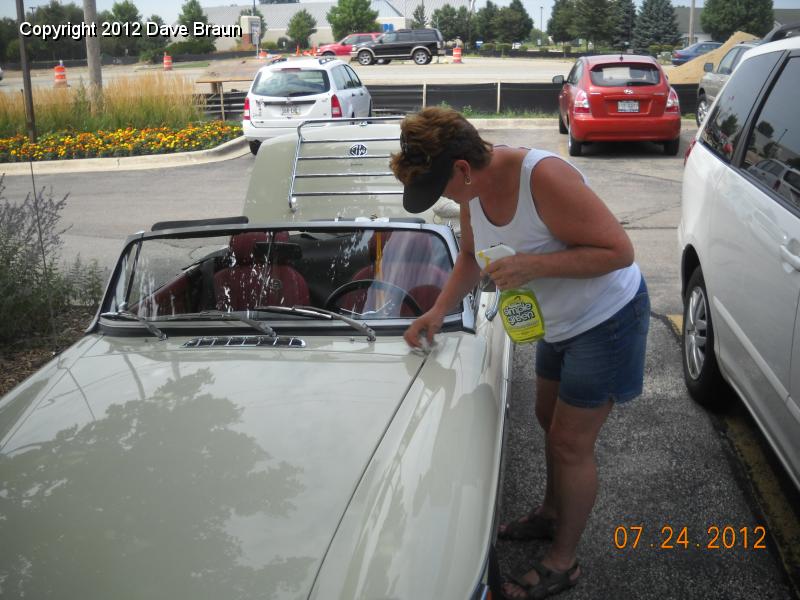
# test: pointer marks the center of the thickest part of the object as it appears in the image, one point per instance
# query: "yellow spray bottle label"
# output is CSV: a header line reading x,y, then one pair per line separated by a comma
x,y
519,309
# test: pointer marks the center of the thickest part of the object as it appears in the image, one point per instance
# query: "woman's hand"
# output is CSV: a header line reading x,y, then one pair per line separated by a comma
x,y
427,324
512,271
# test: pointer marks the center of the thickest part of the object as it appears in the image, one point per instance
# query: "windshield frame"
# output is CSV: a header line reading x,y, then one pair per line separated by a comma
x,y
463,320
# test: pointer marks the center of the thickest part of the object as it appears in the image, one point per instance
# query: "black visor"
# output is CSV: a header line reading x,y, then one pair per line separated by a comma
x,y
425,190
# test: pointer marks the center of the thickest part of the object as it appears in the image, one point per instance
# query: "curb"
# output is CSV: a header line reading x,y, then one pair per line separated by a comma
x,y
231,149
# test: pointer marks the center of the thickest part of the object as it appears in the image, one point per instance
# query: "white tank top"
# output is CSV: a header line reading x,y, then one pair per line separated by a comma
x,y
569,306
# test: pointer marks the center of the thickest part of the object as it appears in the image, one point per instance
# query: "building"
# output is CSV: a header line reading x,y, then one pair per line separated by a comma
x,y
782,17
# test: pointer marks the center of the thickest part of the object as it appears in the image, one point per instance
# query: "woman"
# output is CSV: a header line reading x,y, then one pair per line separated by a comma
x,y
575,256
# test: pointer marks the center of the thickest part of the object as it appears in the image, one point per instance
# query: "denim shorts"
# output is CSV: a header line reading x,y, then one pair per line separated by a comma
x,y
604,363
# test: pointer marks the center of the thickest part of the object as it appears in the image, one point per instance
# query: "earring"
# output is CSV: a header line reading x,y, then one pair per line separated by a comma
x,y
467,180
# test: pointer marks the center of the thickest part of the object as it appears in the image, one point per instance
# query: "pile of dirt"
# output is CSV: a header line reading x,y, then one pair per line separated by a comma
x,y
692,71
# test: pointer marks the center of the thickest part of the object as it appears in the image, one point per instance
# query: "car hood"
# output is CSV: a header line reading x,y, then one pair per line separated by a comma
x,y
133,468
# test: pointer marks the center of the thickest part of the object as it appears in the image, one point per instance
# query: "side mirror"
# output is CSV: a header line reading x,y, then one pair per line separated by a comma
x,y
708,67
558,79
380,40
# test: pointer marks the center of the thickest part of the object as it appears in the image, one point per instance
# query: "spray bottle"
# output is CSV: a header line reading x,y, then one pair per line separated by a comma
x,y
519,308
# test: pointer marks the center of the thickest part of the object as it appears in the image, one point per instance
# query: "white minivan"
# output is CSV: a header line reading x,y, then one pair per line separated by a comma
x,y
739,236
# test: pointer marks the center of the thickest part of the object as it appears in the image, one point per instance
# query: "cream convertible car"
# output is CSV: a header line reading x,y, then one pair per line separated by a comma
x,y
243,420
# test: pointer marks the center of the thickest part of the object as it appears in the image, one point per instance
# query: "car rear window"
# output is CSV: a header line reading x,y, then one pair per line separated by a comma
x,y
425,35
291,82
625,75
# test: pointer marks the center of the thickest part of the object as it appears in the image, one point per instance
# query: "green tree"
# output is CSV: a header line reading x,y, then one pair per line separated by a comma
x,y
561,24
191,11
8,34
418,19
49,49
592,20
512,23
352,16
483,20
623,15
153,45
656,24
248,12
301,27
123,45
445,19
721,18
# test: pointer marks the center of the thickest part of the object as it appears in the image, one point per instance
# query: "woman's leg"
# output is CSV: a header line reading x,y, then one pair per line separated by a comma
x,y
546,397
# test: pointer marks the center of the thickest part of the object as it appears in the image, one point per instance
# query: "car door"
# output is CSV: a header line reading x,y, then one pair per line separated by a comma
x,y
361,97
753,274
344,91
568,90
386,45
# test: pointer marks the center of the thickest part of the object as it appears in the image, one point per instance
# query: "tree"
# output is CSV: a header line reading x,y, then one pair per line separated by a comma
x,y
418,19
278,1
592,20
153,45
445,19
248,12
656,24
352,16
191,11
623,15
512,23
122,45
721,18
8,34
560,27
301,27
483,22
50,49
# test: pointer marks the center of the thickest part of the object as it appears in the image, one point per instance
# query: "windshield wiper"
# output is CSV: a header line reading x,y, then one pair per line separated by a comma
x,y
321,313
226,316
129,316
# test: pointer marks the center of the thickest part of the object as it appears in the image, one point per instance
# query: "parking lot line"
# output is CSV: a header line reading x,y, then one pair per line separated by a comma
x,y
677,323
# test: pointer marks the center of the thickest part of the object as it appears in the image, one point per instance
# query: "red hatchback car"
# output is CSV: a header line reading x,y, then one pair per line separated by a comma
x,y
618,98
343,46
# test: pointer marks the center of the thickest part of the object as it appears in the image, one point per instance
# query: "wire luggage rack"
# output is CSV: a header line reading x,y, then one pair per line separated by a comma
x,y
354,150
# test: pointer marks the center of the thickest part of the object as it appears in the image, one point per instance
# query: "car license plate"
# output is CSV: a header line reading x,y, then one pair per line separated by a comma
x,y
290,109
628,106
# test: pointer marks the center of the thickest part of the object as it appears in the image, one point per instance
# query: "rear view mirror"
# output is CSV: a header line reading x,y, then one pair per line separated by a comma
x,y
708,67
559,79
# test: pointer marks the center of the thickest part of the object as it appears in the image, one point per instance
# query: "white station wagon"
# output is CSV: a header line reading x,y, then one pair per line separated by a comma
x,y
243,418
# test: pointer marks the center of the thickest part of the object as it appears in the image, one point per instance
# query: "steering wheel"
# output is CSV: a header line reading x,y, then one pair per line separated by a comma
x,y
360,284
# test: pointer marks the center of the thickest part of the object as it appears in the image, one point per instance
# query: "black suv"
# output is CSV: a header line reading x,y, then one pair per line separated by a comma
x,y
419,45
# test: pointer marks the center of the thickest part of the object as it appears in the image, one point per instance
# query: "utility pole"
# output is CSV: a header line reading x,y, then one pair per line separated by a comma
x,y
691,24
93,57
541,25
30,122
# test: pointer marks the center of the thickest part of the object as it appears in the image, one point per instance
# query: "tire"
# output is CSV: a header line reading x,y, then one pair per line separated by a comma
x,y
421,57
328,54
365,58
254,146
702,109
700,370
671,147
561,127
575,147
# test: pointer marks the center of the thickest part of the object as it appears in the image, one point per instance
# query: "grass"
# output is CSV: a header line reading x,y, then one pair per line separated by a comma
x,y
151,100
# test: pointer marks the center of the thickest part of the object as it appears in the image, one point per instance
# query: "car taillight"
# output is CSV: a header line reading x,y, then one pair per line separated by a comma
x,y
581,102
689,150
336,107
246,114
673,104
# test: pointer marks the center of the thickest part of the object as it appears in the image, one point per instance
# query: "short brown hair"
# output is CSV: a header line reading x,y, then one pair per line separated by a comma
x,y
432,132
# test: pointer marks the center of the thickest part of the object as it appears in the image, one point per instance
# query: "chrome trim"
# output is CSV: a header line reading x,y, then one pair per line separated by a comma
x,y
241,341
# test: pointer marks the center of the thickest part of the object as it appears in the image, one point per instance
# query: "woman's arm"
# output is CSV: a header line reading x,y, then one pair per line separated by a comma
x,y
597,243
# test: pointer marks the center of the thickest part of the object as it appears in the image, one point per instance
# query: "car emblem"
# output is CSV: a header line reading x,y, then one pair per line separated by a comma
x,y
358,150
627,91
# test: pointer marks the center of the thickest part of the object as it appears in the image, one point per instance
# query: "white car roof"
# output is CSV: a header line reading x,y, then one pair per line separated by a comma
x,y
303,63
790,43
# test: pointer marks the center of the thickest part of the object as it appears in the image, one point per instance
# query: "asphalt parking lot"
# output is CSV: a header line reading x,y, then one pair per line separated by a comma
x,y
664,462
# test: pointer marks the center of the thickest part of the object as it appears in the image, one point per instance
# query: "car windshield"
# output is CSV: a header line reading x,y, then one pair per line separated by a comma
x,y
291,82
625,75
360,273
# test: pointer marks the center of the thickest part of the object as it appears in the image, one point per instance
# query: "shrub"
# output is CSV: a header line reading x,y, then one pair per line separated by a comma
x,y
487,48
191,46
504,48
654,49
567,48
269,45
523,48
284,43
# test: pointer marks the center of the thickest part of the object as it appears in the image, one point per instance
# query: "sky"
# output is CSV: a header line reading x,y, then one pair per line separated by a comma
x,y
169,9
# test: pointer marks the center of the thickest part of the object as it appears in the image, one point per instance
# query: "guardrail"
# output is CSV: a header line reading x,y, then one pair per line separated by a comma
x,y
482,98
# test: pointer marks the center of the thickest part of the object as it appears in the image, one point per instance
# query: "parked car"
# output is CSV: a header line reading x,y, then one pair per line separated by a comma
x,y
243,418
619,97
684,55
289,91
739,237
419,45
345,45
713,80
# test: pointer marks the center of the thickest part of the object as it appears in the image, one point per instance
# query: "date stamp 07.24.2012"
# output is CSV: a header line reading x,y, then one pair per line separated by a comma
x,y
670,537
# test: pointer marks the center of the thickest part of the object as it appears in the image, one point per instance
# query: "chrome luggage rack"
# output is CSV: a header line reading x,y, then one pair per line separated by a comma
x,y
355,149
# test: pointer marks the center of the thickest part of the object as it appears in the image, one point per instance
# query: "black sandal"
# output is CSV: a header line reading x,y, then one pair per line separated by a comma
x,y
550,582
535,527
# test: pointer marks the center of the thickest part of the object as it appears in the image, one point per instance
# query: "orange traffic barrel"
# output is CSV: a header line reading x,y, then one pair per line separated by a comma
x,y
457,55
262,55
167,62
60,75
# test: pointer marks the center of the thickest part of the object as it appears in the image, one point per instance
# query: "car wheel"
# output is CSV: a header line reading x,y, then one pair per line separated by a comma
x,y
365,58
254,146
702,109
421,57
561,127
700,370
328,54
671,147
575,147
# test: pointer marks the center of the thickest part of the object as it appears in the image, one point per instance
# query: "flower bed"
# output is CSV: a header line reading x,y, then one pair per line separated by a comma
x,y
121,142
